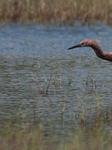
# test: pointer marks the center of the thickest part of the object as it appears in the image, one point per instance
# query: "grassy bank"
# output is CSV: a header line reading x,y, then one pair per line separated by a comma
x,y
60,11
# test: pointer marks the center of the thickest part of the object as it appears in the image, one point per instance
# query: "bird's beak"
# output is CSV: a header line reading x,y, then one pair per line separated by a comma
x,y
78,45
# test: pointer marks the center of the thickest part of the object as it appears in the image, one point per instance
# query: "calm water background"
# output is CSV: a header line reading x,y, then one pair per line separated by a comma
x,y
32,51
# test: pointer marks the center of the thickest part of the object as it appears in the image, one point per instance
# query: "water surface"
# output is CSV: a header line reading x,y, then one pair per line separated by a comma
x,y
30,53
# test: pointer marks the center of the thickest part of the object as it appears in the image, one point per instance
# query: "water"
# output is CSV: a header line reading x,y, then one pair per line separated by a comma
x,y
28,53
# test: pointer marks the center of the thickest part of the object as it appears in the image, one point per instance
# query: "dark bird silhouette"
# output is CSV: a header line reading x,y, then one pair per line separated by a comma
x,y
96,47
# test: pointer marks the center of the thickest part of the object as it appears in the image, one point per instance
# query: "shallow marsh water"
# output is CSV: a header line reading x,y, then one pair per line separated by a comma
x,y
30,53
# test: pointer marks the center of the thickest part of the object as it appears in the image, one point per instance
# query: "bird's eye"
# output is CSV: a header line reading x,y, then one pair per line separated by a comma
x,y
83,44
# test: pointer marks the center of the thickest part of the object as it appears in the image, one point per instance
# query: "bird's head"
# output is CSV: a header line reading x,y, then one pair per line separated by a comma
x,y
86,43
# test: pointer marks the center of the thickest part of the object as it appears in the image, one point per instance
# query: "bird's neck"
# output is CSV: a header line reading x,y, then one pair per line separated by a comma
x,y
99,52
102,54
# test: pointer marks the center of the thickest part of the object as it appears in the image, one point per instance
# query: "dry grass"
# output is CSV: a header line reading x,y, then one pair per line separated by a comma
x,y
60,11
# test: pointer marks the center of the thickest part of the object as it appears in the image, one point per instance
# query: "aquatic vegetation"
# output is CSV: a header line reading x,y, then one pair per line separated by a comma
x,y
86,127
19,138
60,11
91,116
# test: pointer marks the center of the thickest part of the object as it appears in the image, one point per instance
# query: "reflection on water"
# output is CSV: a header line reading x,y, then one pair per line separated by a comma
x,y
27,56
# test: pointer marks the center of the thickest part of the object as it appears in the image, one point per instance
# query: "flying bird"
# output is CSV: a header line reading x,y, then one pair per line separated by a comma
x,y
94,44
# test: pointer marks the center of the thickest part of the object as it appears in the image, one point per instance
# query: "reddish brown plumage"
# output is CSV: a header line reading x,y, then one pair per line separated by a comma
x,y
94,44
91,43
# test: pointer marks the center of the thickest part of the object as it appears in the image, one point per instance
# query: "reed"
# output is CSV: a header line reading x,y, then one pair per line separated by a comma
x,y
60,11
19,138
54,84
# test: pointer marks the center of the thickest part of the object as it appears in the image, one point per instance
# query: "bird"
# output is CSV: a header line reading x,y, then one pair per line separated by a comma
x,y
94,44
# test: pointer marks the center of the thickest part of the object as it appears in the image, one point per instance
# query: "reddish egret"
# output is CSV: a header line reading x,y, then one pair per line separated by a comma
x,y
96,47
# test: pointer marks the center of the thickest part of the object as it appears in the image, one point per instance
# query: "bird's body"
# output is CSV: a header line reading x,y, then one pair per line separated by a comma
x,y
96,47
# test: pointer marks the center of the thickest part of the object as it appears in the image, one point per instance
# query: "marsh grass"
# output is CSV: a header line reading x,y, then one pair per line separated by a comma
x,y
27,131
83,140
19,138
60,11
100,113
